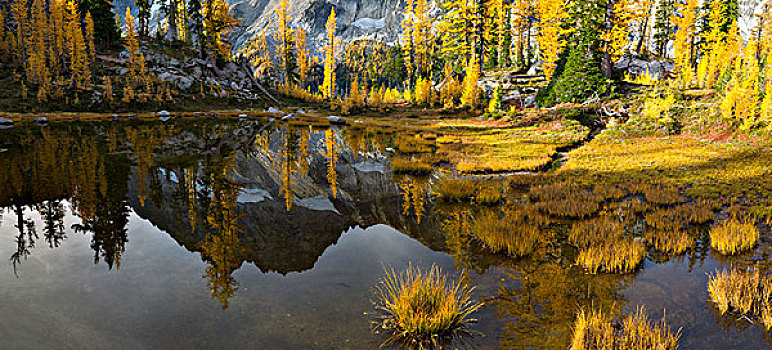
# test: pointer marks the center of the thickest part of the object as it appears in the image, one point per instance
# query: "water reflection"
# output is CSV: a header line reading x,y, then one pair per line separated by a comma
x,y
274,198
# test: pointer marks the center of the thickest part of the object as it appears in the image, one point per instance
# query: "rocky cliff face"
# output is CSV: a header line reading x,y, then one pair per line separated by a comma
x,y
357,19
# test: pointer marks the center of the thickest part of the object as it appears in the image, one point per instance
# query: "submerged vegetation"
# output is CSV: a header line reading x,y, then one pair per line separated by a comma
x,y
424,309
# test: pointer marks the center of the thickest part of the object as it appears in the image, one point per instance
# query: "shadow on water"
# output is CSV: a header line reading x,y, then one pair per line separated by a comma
x,y
284,199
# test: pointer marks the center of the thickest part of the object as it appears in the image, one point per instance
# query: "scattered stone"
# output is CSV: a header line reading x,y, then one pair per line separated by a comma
x,y
165,119
300,111
243,116
273,110
335,120
289,117
6,121
41,120
389,149
164,113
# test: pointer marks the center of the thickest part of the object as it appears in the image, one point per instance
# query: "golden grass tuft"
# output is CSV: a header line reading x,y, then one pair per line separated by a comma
x,y
595,331
455,190
424,309
603,246
745,292
407,166
508,234
565,199
619,257
677,217
734,236
673,241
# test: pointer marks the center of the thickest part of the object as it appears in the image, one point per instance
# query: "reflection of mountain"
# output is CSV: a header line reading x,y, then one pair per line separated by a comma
x,y
274,238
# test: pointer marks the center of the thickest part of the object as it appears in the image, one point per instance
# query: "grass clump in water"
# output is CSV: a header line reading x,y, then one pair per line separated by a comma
x,y
745,292
424,310
734,236
603,246
407,166
593,330
509,234
673,241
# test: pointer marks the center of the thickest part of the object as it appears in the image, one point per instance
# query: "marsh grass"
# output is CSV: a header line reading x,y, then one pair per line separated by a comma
x,y
623,256
734,236
488,192
673,218
603,246
424,309
508,234
674,241
595,331
744,292
410,166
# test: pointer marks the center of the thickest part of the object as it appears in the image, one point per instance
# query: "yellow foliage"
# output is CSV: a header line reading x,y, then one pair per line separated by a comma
x,y
595,331
470,96
552,14
734,236
328,85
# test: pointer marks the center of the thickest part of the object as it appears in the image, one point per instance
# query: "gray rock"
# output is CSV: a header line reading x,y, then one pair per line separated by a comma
x,y
165,119
164,113
41,120
273,110
300,111
6,121
335,120
235,86
289,117
243,116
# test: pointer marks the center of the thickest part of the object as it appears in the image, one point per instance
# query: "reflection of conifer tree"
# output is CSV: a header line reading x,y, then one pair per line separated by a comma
x,y
222,248
305,138
331,153
25,240
111,214
413,197
288,160
540,311
52,213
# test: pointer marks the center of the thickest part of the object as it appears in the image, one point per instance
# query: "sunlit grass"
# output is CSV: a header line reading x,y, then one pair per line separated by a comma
x,y
508,234
596,331
734,236
424,309
622,256
603,246
672,218
455,190
675,241
744,292
410,166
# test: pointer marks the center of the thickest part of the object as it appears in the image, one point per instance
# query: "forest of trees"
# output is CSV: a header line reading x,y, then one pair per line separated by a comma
x,y
442,51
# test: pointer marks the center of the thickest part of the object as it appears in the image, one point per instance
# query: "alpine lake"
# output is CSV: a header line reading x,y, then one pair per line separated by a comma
x,y
254,233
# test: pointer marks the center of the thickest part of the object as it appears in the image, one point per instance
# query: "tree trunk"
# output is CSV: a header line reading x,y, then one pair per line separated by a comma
x,y
606,65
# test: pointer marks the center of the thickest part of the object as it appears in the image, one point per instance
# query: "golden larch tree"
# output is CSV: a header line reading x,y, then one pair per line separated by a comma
x,y
328,85
552,13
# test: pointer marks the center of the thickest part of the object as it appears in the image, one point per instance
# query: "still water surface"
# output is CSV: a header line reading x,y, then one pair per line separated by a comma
x,y
236,234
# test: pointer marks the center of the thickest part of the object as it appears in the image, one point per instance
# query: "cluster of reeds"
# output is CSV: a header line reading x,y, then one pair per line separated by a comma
x,y
661,195
603,246
595,331
508,234
734,236
410,166
699,212
424,309
481,191
674,240
565,199
748,292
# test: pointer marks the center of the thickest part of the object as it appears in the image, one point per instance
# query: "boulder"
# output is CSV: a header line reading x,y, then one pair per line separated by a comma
x,y
634,65
6,121
300,111
164,114
41,120
243,116
165,118
335,120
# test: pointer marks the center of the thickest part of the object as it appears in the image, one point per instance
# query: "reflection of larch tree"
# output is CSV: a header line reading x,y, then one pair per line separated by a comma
x,y
52,213
331,153
25,241
540,311
222,248
111,213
